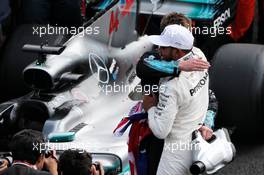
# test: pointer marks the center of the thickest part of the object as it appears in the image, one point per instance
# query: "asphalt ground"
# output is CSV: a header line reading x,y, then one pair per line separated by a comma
x,y
249,160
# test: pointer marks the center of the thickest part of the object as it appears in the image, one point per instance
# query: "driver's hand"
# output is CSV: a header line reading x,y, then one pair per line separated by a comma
x,y
4,165
149,101
97,172
193,64
206,132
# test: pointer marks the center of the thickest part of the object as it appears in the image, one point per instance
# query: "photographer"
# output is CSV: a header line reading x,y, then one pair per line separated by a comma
x,y
28,157
78,163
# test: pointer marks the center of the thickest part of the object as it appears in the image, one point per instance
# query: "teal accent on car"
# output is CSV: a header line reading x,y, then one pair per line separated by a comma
x,y
200,1
126,170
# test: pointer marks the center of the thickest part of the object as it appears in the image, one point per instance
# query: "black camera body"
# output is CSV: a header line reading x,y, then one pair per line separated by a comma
x,y
97,166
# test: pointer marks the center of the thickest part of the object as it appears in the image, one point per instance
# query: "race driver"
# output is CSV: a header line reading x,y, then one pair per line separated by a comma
x,y
151,68
181,106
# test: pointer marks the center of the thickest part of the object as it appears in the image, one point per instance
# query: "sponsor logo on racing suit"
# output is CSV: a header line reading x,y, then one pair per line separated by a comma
x,y
199,85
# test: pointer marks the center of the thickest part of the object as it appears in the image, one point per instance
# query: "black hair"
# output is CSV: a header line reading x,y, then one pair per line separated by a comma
x,y
26,145
75,162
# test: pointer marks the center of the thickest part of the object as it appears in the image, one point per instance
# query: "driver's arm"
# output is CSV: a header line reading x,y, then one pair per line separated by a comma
x,y
150,66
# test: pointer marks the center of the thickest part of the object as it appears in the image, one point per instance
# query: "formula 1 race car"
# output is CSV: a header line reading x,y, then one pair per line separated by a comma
x,y
80,83
71,87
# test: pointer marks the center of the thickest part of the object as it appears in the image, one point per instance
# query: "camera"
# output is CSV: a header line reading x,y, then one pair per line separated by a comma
x,y
48,153
97,166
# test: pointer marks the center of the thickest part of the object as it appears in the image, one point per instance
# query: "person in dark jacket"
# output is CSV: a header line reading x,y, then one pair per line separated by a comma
x,y
79,163
27,147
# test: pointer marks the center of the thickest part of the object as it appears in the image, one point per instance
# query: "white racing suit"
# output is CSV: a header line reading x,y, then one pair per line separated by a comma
x,y
183,102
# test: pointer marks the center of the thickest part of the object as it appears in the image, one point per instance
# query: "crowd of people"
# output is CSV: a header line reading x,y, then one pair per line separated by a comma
x,y
27,158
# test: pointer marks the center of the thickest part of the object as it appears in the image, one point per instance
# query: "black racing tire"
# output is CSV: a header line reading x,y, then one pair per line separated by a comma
x,y
13,60
237,78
